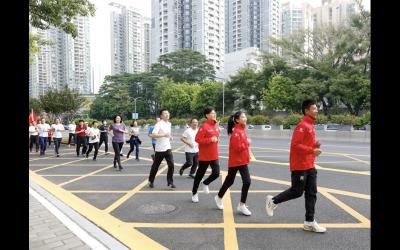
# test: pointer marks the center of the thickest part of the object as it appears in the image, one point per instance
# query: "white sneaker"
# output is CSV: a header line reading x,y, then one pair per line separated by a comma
x,y
243,209
205,189
313,227
195,198
270,206
218,201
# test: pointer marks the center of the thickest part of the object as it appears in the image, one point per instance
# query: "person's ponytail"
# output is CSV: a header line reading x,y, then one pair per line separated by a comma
x,y
232,121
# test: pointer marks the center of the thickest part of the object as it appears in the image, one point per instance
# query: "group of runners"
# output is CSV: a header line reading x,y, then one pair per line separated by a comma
x,y
201,152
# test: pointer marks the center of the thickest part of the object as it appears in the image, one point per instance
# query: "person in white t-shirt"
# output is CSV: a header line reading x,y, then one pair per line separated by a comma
x,y
162,132
43,129
134,140
33,136
191,148
71,134
57,128
94,138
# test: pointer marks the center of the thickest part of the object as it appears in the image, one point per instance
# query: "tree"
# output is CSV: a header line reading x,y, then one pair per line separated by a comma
x,y
46,13
210,94
184,65
177,98
35,105
282,93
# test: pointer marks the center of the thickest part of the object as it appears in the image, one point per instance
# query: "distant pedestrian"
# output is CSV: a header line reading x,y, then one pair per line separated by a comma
x,y
71,134
81,139
57,128
118,129
43,129
104,136
134,140
191,148
153,140
94,137
33,136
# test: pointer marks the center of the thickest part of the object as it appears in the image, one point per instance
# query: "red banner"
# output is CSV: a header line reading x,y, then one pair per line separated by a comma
x,y
32,117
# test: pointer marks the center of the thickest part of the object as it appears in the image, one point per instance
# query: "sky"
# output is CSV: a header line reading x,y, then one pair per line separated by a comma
x,y
100,33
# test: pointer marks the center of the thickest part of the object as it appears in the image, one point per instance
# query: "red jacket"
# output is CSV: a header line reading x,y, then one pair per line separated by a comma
x,y
239,154
303,145
78,127
208,151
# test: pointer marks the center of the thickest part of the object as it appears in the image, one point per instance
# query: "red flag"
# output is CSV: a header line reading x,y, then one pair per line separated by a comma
x,y
32,117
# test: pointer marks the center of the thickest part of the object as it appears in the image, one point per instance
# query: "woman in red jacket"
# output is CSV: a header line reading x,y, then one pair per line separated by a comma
x,y
207,138
239,157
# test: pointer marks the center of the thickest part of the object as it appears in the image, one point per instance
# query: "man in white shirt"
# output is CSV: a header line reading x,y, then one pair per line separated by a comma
x,y
33,136
94,138
43,128
191,148
57,127
162,132
71,130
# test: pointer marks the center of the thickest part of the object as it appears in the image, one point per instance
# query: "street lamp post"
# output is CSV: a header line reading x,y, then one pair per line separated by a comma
x,y
135,102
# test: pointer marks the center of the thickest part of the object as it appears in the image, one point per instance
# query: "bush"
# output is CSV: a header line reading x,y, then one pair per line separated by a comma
x,y
202,120
277,120
366,118
224,120
258,120
292,119
322,119
343,119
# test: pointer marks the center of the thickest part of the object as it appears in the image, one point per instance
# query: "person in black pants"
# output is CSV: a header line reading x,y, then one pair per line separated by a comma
x,y
104,136
71,134
94,135
34,136
134,141
191,148
162,132
118,129
81,137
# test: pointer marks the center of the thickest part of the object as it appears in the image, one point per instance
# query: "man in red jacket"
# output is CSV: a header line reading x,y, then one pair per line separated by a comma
x,y
303,150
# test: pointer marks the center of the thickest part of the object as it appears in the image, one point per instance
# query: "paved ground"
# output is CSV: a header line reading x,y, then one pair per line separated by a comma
x,y
143,218
47,232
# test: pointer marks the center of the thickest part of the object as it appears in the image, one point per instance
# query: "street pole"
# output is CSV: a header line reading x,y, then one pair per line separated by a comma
x,y
135,102
223,98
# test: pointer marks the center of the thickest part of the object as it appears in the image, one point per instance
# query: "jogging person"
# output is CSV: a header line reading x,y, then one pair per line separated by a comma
x,y
153,140
50,135
191,148
118,129
81,137
162,132
303,150
94,137
33,136
239,158
134,140
57,127
104,136
43,129
207,138
71,134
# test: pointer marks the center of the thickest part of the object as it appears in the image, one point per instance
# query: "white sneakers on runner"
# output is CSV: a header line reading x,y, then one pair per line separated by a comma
x,y
195,198
313,227
270,206
206,189
219,203
243,209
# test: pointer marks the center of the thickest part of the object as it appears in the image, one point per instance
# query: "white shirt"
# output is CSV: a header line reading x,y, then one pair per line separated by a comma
x,y
32,130
43,128
72,128
134,131
162,143
93,132
190,135
58,128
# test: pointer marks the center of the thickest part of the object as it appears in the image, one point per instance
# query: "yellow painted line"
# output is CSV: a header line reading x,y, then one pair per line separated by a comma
x,y
211,191
333,162
118,229
297,225
342,170
177,225
356,159
346,208
121,200
178,149
346,193
66,175
273,162
48,157
100,191
252,157
230,238
58,165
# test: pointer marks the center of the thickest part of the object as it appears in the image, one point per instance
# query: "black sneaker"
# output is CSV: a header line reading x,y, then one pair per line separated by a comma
x,y
94,159
58,155
151,185
137,159
192,176
172,185
121,154
115,164
181,172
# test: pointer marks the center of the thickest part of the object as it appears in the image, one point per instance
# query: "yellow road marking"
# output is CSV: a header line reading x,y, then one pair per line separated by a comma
x,y
230,238
211,191
117,228
296,225
121,200
99,191
177,225
48,157
178,149
356,159
58,165
252,157
342,170
346,208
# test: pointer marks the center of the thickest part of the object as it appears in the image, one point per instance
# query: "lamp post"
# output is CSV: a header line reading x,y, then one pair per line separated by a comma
x,y
134,99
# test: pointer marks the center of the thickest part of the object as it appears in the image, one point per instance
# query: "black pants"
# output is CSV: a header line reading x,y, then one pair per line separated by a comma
x,y
133,142
192,160
73,136
117,146
34,139
81,141
43,144
57,143
230,178
156,164
96,149
49,140
302,181
104,138
203,165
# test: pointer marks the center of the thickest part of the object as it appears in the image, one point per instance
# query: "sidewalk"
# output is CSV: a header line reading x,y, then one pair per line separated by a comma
x,y
47,232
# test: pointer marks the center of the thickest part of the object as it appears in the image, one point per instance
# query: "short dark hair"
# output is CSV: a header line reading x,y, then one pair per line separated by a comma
x,y
208,110
162,110
191,120
307,104
81,121
93,122
115,117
